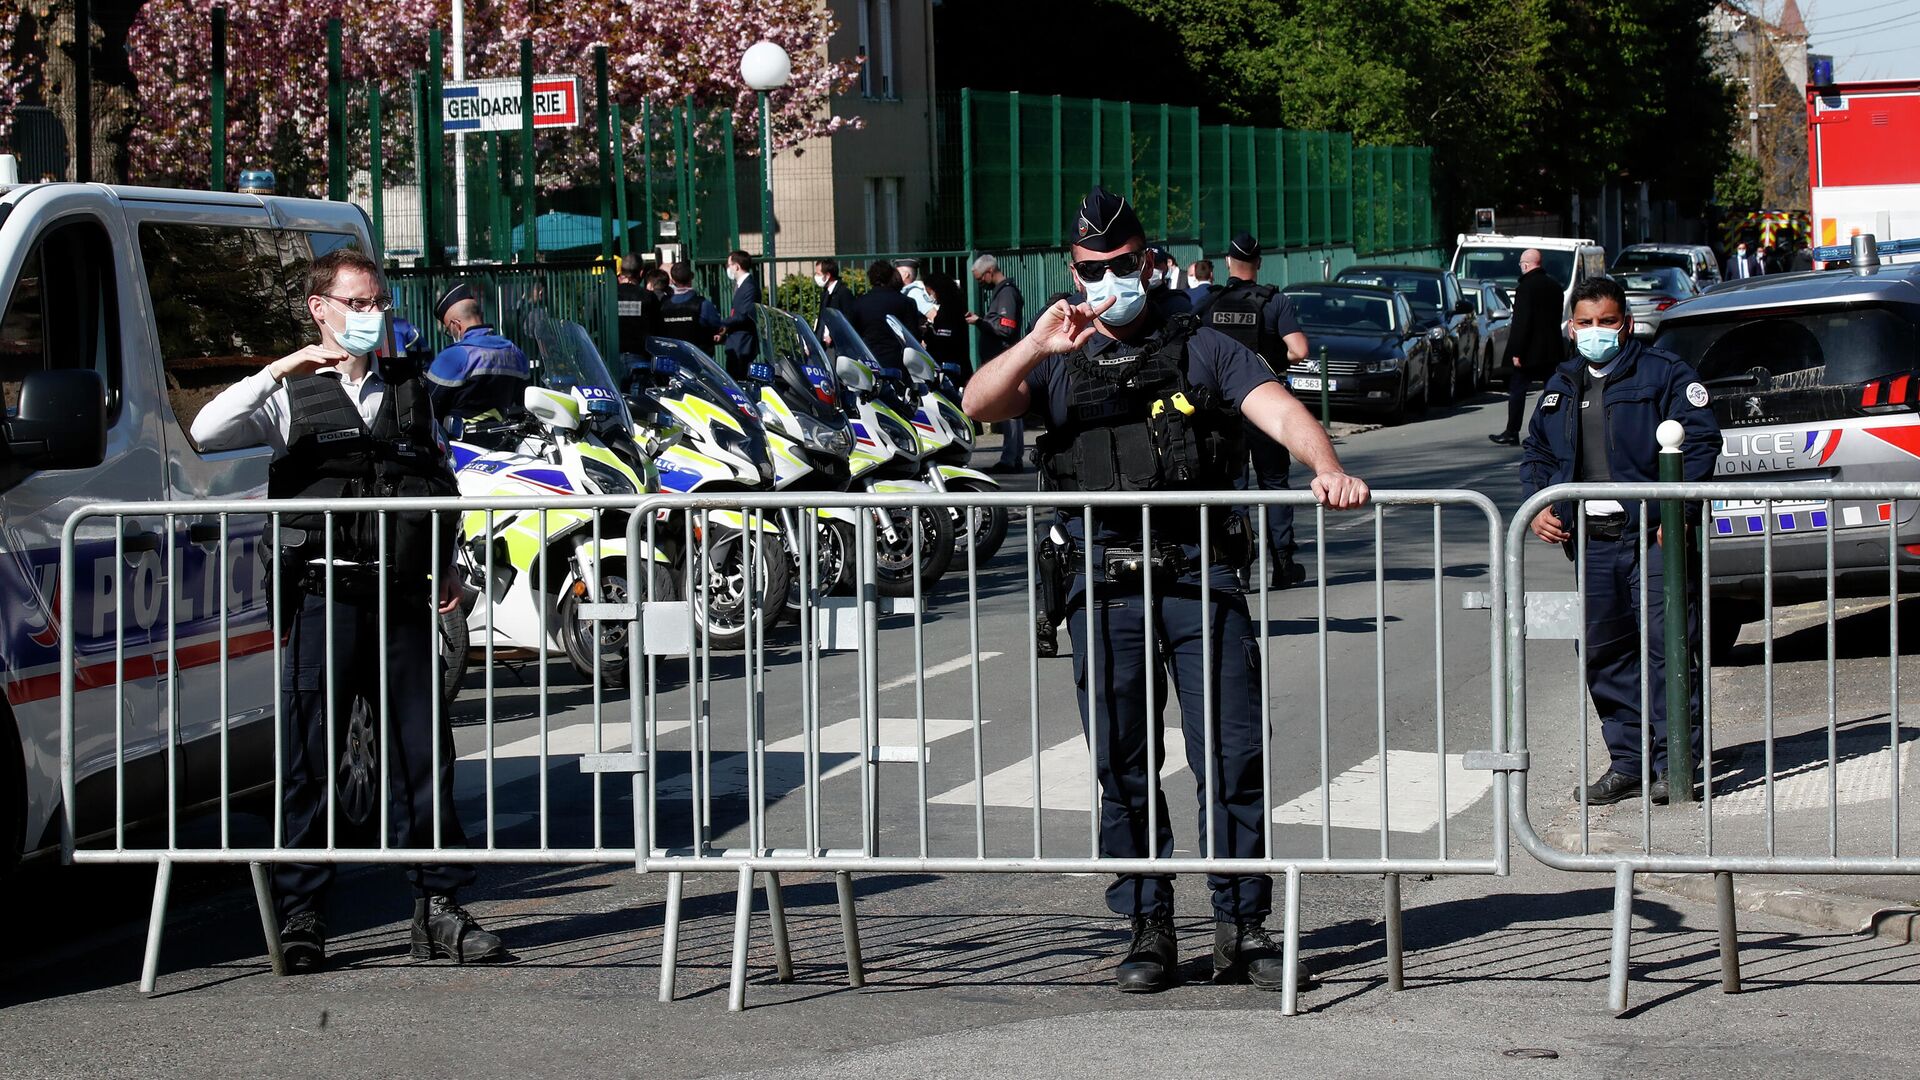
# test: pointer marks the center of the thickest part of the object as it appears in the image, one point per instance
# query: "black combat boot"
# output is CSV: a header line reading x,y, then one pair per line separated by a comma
x,y
1152,962
1243,951
303,943
443,928
1612,788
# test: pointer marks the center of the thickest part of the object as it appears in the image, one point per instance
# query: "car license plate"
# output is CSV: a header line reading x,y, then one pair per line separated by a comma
x,y
1298,383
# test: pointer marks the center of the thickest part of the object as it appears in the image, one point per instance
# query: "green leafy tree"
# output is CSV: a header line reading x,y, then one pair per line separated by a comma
x,y
1738,189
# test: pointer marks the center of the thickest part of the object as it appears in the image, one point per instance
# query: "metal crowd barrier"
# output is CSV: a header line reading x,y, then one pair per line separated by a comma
x,y
769,759
1746,537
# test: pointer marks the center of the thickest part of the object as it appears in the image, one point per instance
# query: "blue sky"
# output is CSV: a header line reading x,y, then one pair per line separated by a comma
x,y
1868,39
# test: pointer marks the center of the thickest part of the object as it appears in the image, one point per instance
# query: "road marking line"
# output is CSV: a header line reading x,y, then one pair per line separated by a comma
x,y
1412,794
938,669
840,753
574,739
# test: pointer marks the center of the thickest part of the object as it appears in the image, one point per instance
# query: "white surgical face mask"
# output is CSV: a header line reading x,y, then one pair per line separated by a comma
x,y
1128,295
820,280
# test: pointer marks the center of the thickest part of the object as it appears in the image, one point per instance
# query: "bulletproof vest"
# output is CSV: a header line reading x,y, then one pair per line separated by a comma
x,y
638,314
1237,311
680,318
333,454
1138,424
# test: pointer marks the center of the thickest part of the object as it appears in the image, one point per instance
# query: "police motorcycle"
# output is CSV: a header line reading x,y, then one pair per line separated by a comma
x,y
721,447
523,567
811,444
888,458
947,436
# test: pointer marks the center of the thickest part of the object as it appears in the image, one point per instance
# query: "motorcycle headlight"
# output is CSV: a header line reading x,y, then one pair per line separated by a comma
x,y
609,480
824,437
899,434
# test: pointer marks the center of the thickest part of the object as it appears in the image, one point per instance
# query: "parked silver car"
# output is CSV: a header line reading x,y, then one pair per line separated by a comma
x,y
1814,378
1493,309
1696,259
1651,292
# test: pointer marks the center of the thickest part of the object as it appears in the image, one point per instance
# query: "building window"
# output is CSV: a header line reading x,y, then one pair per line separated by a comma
x,y
876,49
883,214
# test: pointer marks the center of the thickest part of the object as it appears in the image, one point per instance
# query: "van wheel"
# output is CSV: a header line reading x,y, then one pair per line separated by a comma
x,y
1729,618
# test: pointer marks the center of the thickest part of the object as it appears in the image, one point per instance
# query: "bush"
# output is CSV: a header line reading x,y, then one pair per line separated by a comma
x,y
799,295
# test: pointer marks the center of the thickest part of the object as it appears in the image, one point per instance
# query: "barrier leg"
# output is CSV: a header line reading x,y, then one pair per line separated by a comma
x,y
156,922
1396,968
1622,929
742,916
777,915
670,944
269,923
850,930
1729,934
1290,949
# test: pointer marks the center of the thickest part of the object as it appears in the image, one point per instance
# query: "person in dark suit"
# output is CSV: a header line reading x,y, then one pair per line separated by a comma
x,y
1535,344
870,310
741,334
834,294
1743,263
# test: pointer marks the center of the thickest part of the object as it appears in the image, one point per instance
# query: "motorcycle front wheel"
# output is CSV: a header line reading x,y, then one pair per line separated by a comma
x,y
720,596
984,527
893,559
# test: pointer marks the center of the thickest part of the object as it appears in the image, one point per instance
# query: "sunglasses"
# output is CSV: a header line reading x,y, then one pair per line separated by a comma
x,y
361,304
1125,264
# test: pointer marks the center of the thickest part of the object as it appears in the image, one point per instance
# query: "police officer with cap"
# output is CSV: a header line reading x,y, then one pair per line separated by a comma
x,y
481,375
1261,318
1596,423
1138,400
339,430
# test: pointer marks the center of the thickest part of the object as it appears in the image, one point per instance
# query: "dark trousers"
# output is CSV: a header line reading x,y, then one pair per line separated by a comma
x,y
408,730
1270,465
1614,607
1122,720
1519,385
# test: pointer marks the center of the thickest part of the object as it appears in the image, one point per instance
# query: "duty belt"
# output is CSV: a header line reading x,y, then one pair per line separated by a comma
x,y
1125,565
1607,528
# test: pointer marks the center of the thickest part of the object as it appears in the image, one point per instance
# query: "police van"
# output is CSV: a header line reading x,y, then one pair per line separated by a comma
x,y
123,311
1815,377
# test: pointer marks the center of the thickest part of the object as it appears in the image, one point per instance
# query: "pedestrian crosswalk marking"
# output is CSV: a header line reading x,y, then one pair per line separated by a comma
x,y
1413,791
955,664
1063,777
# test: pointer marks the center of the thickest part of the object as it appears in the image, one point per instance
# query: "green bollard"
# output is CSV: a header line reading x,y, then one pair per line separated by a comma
x,y
1673,549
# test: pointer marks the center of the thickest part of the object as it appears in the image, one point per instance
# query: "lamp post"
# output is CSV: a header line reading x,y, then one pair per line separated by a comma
x,y
766,68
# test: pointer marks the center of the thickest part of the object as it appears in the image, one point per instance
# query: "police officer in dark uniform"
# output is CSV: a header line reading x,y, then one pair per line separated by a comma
x,y
1161,291
1596,423
338,430
1261,318
1137,400
481,375
685,314
639,312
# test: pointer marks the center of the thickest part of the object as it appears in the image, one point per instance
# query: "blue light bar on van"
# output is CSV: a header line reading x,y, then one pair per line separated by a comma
x,y
1844,252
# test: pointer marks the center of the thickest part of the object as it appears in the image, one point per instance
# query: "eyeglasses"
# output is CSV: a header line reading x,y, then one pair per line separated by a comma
x,y
1125,264
383,302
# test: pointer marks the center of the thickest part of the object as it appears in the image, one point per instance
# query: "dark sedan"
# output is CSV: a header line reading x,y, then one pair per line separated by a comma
x,y
1377,354
1442,310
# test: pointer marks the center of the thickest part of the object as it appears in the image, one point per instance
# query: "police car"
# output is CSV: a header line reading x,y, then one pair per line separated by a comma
x,y
123,311
1814,377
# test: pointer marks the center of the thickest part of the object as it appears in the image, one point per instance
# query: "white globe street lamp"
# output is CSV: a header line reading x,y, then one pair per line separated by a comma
x,y
766,67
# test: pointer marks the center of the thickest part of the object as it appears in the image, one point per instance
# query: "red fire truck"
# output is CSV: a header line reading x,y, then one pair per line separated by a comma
x,y
1863,156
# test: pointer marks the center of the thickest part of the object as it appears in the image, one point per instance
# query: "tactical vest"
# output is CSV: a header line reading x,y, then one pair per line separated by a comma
x,y
1238,311
680,318
1139,424
332,454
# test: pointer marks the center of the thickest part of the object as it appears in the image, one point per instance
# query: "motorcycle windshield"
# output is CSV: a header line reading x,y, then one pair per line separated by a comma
x,y
695,374
797,366
569,362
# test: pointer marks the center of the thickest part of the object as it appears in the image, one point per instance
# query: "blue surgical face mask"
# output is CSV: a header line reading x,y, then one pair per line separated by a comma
x,y
1128,294
362,332
1598,344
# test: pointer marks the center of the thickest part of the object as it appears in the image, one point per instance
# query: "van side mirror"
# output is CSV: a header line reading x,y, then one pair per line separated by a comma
x,y
1464,307
62,422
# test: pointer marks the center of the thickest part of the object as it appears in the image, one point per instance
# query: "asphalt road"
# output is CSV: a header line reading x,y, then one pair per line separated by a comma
x,y
970,973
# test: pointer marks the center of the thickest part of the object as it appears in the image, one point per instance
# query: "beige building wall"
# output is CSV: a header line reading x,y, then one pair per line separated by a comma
x,y
864,191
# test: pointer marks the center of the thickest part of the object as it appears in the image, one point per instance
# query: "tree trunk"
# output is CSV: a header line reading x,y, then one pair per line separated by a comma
x,y
113,89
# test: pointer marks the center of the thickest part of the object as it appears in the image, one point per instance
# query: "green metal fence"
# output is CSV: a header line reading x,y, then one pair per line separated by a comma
x,y
1027,160
524,301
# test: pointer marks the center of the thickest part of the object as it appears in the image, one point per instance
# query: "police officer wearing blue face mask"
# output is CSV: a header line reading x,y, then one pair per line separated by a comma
x,y
1596,423
1139,400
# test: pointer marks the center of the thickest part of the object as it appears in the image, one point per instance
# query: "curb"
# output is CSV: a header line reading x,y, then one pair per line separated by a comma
x,y
1823,908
